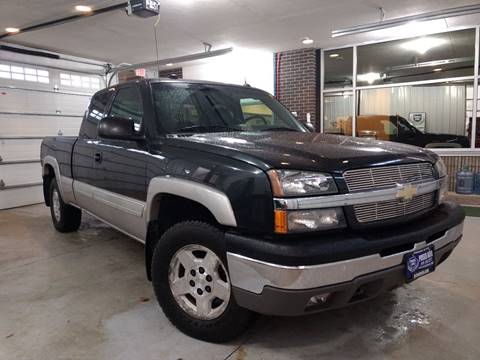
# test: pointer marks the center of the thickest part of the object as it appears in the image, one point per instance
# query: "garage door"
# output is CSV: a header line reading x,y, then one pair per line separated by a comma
x,y
35,102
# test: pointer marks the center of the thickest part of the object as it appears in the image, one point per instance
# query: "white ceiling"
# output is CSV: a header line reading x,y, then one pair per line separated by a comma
x,y
271,25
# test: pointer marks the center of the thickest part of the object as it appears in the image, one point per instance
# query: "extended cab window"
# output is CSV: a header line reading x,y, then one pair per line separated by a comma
x,y
95,112
128,104
183,108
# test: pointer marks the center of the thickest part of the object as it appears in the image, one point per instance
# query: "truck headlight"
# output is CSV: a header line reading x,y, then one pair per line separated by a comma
x,y
443,177
295,183
441,168
308,220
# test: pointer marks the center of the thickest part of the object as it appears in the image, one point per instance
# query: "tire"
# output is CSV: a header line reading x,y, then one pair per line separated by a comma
x,y
223,320
66,218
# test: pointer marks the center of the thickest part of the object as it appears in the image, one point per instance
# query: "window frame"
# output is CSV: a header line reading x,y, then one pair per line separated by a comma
x,y
354,88
109,107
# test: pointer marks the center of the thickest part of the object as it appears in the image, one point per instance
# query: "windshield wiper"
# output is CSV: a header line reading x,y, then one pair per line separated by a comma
x,y
206,128
279,129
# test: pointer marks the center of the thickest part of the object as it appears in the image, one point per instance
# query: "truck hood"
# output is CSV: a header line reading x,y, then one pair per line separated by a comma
x,y
302,151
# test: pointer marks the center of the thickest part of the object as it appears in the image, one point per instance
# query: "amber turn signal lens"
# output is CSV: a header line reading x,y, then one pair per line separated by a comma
x,y
281,224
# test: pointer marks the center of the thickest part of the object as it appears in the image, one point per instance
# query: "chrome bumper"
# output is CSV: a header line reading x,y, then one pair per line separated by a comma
x,y
253,275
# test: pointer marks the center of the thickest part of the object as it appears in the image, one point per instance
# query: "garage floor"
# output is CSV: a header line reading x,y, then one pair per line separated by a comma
x,y
85,296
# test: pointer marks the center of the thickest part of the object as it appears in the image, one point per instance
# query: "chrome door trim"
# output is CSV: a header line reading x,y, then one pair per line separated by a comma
x,y
253,275
349,199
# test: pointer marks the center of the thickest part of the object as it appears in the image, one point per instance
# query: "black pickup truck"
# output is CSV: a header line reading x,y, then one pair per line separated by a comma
x,y
241,209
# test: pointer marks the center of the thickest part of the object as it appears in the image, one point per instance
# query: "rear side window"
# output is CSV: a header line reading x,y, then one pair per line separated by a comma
x,y
95,113
128,104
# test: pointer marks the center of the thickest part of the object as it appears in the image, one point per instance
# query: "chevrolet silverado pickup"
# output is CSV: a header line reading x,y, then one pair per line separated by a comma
x,y
242,210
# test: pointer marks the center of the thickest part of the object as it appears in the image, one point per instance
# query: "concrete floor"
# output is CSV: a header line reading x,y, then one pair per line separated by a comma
x,y
85,296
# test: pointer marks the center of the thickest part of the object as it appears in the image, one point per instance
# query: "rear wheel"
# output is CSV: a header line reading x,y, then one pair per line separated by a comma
x,y
192,283
66,218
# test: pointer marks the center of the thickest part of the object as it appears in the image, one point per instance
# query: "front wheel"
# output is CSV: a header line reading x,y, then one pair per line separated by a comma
x,y
192,283
66,218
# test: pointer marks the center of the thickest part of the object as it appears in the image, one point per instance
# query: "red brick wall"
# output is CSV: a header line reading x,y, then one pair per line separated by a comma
x,y
296,84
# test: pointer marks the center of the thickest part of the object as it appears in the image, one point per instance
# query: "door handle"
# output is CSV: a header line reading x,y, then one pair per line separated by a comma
x,y
98,157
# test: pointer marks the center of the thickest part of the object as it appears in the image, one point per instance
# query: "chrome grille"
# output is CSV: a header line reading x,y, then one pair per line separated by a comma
x,y
392,208
387,176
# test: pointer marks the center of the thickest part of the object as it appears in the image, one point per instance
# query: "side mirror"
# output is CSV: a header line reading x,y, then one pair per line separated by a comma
x,y
114,127
310,127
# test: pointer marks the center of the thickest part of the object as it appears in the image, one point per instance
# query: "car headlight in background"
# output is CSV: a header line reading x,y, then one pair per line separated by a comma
x,y
443,177
298,183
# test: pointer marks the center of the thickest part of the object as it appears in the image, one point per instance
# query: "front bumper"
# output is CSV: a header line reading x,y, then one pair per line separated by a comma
x,y
273,288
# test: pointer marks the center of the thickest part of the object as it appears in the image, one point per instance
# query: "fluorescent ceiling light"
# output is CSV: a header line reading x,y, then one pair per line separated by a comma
x,y
370,77
12,30
307,41
411,29
169,64
335,55
83,8
385,24
422,45
437,69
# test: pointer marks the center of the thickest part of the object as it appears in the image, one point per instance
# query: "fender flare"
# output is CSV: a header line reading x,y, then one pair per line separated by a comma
x,y
65,184
50,160
214,200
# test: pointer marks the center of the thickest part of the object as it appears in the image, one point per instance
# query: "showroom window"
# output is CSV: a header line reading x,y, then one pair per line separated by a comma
x,y
430,57
416,91
338,68
24,73
338,109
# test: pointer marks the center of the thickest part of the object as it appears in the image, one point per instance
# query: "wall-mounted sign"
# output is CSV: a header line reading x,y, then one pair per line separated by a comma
x,y
418,119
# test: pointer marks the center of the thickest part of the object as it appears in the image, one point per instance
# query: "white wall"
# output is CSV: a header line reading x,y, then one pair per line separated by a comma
x,y
253,66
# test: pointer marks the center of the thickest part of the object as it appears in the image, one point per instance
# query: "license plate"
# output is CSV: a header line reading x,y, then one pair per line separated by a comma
x,y
419,263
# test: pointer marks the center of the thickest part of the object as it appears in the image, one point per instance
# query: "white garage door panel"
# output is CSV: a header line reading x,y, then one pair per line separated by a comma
x,y
14,150
19,197
31,109
20,174
14,100
26,125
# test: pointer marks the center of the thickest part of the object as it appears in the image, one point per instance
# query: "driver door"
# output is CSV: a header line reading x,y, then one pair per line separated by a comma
x,y
121,167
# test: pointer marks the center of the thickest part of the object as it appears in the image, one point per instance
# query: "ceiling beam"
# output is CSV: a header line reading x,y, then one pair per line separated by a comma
x,y
64,20
175,60
427,16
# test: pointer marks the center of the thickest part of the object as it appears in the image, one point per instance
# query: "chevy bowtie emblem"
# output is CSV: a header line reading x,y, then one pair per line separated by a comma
x,y
406,192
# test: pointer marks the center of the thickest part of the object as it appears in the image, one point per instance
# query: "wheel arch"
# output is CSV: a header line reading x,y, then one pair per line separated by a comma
x,y
50,170
172,200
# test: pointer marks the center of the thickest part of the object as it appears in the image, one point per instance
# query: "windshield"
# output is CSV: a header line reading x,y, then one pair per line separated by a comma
x,y
197,108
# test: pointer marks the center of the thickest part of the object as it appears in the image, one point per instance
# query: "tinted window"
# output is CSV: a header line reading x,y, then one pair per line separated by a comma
x,y
427,57
338,68
208,108
128,104
95,113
